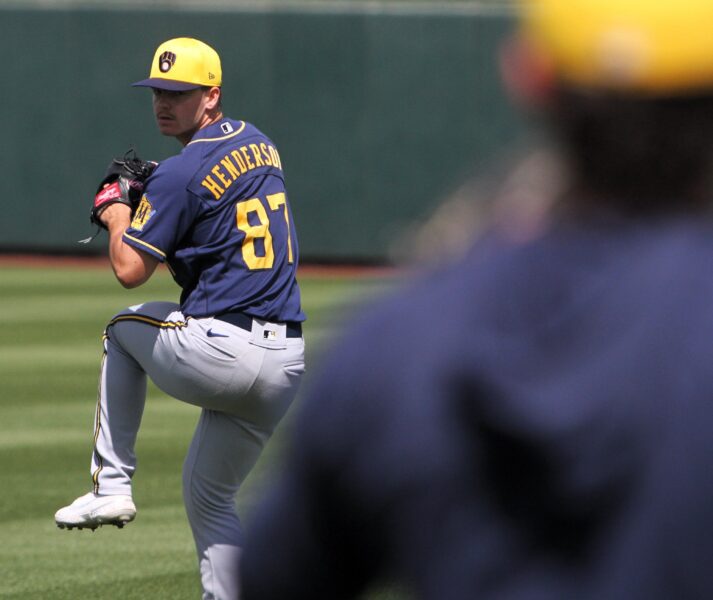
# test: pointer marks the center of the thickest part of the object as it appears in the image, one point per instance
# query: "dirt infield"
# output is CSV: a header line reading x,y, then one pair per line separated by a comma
x,y
44,261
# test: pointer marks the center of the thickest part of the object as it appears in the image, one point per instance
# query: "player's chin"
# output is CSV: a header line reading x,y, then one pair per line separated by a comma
x,y
166,126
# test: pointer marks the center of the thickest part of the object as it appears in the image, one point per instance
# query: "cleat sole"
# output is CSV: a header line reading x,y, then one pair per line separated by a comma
x,y
118,523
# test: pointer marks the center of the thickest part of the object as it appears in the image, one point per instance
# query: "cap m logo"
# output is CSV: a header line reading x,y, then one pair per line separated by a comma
x,y
166,61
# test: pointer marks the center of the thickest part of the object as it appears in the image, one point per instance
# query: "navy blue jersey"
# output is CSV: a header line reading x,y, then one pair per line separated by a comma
x,y
219,216
532,422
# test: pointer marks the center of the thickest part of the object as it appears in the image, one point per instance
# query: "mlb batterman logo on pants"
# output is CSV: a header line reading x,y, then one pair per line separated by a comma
x,y
219,216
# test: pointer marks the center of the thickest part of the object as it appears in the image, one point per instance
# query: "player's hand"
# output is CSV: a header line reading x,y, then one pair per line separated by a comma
x,y
116,215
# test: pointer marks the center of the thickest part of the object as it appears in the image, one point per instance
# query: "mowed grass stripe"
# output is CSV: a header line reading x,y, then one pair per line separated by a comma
x,y
42,358
70,307
46,424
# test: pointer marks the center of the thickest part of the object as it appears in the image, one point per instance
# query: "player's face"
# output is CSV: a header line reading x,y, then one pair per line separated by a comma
x,y
181,114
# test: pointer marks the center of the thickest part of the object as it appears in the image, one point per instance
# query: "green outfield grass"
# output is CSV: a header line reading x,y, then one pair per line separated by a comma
x,y
50,346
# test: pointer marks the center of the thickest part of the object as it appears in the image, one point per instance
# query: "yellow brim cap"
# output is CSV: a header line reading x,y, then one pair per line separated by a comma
x,y
183,64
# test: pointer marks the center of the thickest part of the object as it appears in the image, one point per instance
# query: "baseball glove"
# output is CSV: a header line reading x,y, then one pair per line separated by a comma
x,y
123,182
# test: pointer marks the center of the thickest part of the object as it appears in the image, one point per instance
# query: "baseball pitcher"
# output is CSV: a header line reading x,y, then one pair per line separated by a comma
x,y
218,216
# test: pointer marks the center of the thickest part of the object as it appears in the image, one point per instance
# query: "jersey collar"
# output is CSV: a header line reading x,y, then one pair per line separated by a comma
x,y
220,130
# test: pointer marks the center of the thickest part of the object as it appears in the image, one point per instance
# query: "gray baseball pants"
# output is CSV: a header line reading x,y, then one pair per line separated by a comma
x,y
243,381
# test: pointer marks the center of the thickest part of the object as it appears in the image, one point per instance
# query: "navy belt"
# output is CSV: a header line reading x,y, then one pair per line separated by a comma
x,y
293,328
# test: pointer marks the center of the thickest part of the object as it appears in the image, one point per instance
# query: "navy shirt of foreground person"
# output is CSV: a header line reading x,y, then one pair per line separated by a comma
x,y
550,438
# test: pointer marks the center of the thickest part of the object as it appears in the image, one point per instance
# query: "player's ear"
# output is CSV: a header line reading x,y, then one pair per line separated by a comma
x,y
214,94
527,74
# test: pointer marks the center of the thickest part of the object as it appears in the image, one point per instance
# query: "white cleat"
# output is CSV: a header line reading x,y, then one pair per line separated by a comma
x,y
91,511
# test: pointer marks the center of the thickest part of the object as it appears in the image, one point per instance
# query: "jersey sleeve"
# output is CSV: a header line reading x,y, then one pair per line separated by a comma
x,y
164,215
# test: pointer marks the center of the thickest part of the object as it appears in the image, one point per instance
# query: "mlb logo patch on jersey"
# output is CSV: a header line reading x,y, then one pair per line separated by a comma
x,y
226,127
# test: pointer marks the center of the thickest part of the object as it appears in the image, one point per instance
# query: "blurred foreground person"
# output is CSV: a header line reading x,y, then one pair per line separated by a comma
x,y
535,420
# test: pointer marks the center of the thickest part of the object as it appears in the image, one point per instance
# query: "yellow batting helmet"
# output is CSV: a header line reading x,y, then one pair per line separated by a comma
x,y
655,47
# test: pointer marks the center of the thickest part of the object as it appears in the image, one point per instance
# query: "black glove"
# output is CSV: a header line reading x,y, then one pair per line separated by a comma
x,y
123,182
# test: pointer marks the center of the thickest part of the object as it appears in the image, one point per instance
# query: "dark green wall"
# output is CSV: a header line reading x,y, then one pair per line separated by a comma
x,y
375,115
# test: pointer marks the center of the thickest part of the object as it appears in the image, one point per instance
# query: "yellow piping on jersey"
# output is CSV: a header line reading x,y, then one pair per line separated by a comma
x,y
138,241
217,139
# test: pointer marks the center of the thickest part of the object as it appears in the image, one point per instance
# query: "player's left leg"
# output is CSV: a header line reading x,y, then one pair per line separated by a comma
x,y
130,341
128,344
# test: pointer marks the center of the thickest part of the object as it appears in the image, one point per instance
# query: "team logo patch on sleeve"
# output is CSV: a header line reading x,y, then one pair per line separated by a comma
x,y
142,215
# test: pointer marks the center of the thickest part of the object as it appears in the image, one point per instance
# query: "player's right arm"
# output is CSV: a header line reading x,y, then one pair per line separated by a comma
x,y
131,267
